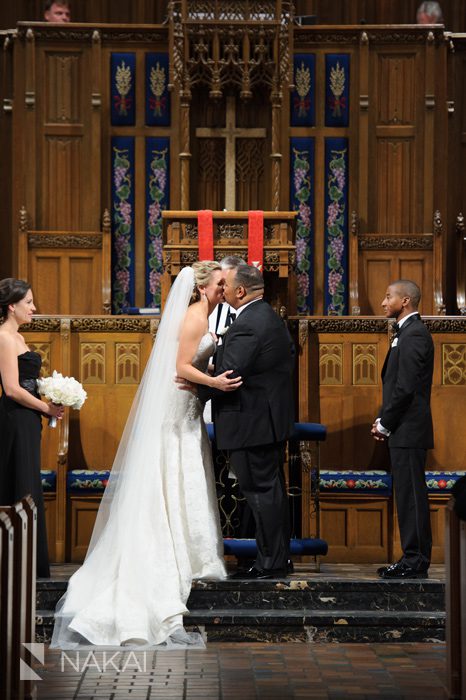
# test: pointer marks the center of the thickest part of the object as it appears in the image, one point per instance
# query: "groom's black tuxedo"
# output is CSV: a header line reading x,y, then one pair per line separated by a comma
x,y
407,382
254,421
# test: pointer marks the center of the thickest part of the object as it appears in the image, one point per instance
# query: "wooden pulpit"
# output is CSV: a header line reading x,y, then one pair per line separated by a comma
x,y
230,237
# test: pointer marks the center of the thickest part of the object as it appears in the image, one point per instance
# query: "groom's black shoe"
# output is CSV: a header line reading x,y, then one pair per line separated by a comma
x,y
401,570
260,574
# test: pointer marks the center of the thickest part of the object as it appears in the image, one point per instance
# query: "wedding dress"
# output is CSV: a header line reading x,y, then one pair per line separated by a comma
x,y
158,525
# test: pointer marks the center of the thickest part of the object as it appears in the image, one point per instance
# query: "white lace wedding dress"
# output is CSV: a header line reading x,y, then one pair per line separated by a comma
x,y
161,531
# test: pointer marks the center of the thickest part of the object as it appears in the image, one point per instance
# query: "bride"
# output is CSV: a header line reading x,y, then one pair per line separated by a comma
x,y
158,525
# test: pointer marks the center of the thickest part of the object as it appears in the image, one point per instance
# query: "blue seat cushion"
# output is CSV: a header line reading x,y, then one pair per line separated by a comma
x,y
248,548
49,480
302,431
361,482
309,431
85,480
442,482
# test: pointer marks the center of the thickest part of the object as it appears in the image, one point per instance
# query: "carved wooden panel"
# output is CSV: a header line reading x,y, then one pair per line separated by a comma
x,y
92,363
397,88
127,363
44,276
396,176
378,268
356,529
250,166
62,183
44,350
63,85
365,370
66,280
454,364
331,363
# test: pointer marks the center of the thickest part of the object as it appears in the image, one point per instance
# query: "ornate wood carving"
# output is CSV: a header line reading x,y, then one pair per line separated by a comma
x,y
454,364
65,241
365,370
127,363
92,363
331,363
44,350
111,325
378,242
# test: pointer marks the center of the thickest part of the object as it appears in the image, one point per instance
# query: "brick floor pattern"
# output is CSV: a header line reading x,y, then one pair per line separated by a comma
x,y
248,672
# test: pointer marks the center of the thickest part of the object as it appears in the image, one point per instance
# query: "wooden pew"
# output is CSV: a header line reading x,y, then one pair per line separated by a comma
x,y
18,567
6,603
455,600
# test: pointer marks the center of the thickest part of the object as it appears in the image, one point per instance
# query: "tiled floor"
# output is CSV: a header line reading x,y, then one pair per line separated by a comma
x,y
246,672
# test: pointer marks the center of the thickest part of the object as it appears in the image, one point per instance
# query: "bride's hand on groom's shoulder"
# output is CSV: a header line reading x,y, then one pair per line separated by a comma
x,y
185,385
224,383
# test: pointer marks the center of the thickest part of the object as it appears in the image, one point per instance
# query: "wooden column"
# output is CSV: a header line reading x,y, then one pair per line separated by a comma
x,y
276,155
62,457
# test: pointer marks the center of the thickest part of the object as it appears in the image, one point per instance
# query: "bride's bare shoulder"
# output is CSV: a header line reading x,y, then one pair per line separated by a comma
x,y
195,319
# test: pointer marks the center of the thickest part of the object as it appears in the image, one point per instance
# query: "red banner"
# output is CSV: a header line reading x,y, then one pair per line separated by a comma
x,y
256,239
205,228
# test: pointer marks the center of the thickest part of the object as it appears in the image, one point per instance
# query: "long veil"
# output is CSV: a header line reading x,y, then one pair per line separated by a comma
x,y
112,548
152,399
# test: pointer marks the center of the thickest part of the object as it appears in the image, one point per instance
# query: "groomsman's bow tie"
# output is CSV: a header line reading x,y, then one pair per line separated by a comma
x,y
395,327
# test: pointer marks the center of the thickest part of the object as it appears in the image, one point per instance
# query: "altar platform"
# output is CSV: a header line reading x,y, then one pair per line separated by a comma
x,y
345,603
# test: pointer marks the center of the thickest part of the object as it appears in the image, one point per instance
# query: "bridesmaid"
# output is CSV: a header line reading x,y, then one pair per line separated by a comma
x,y
21,410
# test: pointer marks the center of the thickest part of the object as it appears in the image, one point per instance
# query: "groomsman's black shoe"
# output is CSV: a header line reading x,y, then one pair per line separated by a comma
x,y
260,574
400,570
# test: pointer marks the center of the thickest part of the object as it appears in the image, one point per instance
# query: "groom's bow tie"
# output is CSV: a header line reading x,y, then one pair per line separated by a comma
x,y
230,318
395,327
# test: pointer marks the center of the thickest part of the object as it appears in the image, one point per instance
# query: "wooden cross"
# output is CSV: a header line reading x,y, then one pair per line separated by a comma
x,y
230,133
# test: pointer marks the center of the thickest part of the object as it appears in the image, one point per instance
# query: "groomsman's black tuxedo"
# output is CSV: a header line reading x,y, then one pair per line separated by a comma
x,y
407,382
253,422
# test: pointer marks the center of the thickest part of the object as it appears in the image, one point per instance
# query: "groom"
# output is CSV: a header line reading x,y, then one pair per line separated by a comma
x,y
253,423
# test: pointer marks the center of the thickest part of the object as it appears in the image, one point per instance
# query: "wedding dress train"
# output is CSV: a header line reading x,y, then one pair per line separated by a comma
x,y
158,526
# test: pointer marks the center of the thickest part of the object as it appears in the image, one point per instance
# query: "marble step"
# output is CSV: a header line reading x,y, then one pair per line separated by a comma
x,y
296,594
303,625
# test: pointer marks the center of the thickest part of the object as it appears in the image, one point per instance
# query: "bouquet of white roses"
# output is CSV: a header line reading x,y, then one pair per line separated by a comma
x,y
62,390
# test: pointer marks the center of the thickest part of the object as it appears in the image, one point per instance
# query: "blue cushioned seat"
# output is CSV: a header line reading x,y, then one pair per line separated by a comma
x,y
442,482
358,482
298,547
302,431
309,431
86,480
49,480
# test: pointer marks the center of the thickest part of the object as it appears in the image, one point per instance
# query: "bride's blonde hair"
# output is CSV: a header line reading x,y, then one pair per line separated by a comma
x,y
202,275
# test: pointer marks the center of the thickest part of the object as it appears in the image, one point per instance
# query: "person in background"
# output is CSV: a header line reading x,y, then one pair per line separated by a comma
x,y
57,12
429,13
405,421
21,410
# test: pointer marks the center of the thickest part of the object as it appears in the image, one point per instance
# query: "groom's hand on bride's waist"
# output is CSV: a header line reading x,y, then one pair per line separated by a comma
x,y
186,385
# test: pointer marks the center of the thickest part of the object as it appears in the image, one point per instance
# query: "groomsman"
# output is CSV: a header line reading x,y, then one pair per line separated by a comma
x,y
405,421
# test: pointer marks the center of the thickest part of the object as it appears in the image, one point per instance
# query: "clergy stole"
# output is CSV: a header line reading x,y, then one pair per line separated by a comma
x,y
205,228
256,239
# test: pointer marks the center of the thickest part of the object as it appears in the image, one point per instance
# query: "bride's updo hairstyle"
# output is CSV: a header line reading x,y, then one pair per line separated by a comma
x,y
202,276
11,291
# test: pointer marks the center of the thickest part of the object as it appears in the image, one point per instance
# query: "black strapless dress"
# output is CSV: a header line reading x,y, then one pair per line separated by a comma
x,y
20,433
